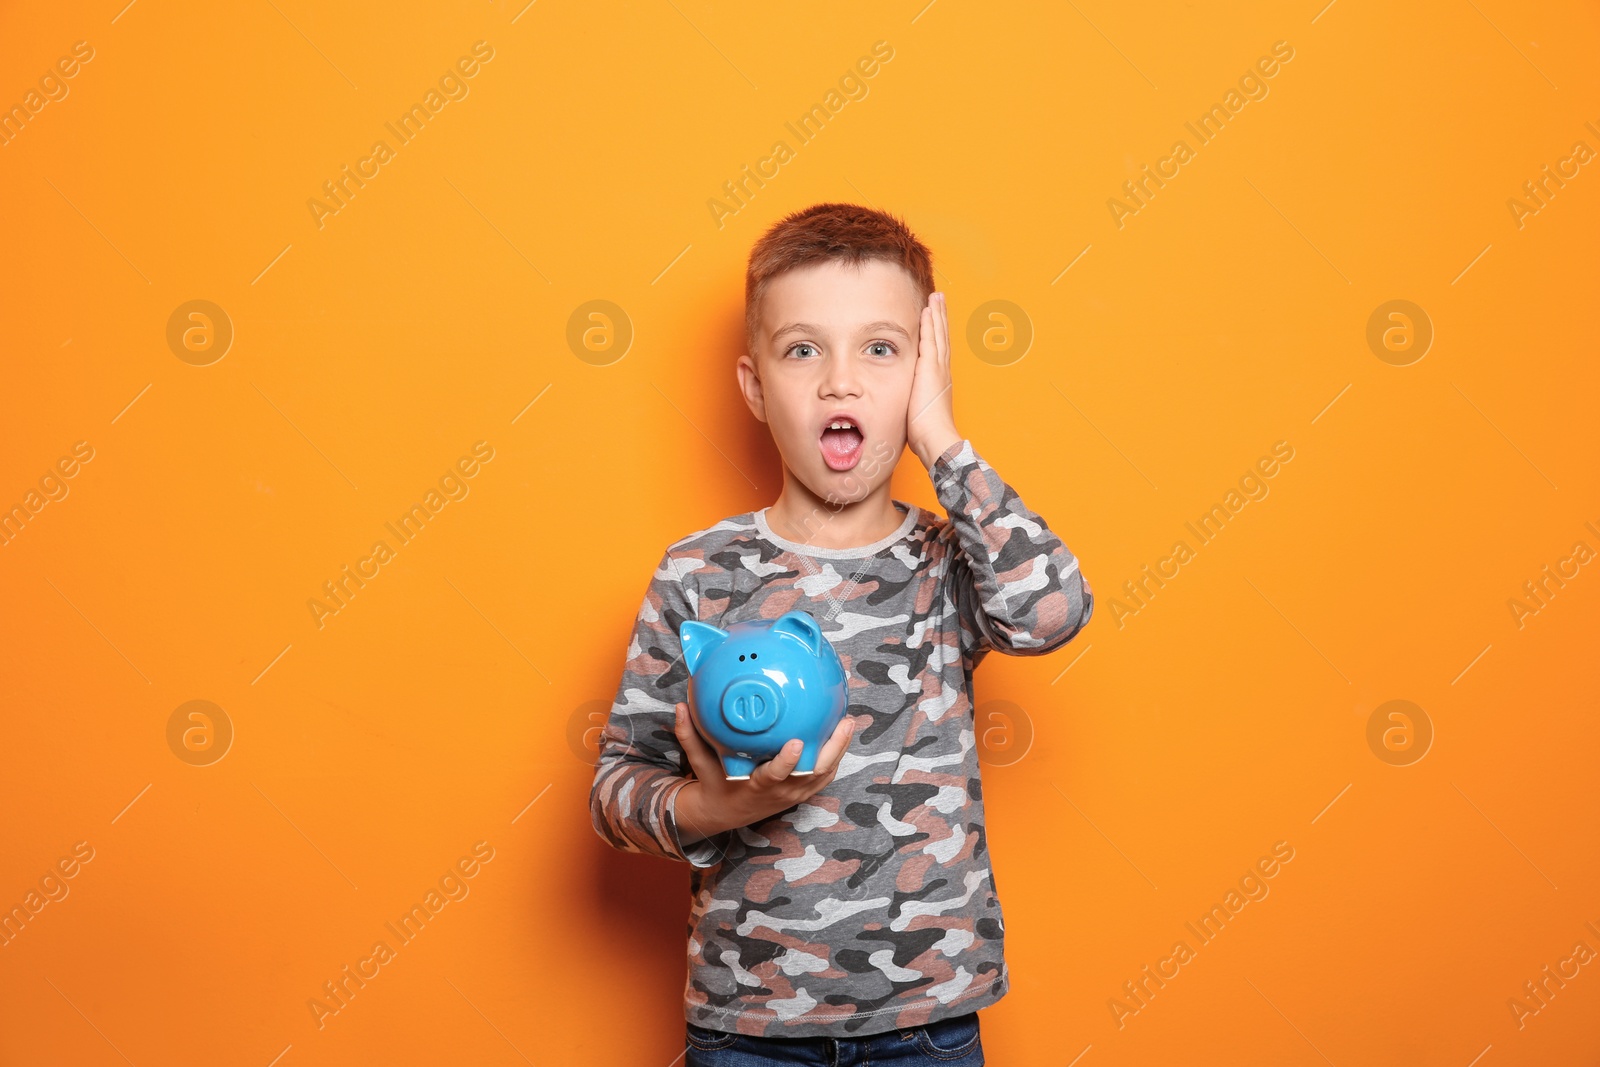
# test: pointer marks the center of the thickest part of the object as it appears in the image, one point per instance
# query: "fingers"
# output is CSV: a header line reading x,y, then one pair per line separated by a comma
x,y
828,758
702,760
834,750
934,341
938,329
779,767
928,372
832,755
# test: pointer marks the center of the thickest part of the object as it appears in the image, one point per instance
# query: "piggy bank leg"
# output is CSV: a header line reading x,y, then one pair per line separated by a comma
x,y
737,768
808,759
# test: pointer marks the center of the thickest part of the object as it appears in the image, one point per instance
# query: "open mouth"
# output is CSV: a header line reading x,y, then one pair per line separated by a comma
x,y
841,442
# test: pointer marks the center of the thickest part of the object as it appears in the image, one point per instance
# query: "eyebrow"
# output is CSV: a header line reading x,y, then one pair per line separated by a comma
x,y
811,327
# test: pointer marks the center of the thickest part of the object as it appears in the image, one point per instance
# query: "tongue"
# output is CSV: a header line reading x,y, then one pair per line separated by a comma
x,y
840,446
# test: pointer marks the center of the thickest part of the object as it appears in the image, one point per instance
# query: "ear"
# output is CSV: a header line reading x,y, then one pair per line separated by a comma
x,y
750,386
801,625
697,639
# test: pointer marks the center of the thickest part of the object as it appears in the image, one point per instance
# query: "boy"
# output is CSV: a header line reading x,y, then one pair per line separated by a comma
x,y
853,906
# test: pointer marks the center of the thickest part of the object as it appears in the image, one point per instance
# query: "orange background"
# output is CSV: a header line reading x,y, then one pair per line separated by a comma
x,y
450,700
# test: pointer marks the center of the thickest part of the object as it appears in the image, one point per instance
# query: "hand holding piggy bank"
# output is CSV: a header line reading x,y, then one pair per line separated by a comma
x,y
759,684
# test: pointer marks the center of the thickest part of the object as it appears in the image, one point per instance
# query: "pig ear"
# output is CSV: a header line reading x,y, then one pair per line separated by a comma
x,y
803,626
697,639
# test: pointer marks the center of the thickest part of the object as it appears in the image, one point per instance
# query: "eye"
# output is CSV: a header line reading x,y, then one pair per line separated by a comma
x,y
882,344
741,659
752,655
793,349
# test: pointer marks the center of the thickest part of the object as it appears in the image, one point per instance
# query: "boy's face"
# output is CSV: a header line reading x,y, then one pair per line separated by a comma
x,y
836,344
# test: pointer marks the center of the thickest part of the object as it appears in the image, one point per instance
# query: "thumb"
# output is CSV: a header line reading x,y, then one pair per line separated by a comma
x,y
702,760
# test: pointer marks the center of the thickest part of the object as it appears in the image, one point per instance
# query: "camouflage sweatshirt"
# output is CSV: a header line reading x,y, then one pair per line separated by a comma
x,y
870,906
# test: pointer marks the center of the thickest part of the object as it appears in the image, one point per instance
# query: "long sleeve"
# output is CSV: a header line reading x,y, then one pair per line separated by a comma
x,y
1017,587
642,767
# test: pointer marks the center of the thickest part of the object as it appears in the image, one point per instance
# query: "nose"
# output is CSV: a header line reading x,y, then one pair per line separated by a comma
x,y
751,705
840,377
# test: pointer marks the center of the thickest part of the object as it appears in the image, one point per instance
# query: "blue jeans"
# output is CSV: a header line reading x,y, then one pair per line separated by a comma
x,y
952,1042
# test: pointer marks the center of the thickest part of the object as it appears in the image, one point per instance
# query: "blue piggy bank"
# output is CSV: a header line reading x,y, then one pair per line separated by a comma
x,y
759,684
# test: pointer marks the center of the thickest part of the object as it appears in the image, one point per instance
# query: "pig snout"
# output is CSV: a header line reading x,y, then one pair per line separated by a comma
x,y
752,705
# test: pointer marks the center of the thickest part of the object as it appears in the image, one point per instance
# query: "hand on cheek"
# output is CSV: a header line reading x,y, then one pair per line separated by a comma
x,y
930,415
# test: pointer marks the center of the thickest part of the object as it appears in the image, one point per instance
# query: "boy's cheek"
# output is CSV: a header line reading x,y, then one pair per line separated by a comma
x,y
882,453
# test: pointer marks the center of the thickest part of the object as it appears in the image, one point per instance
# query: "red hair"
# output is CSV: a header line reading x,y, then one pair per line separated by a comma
x,y
845,233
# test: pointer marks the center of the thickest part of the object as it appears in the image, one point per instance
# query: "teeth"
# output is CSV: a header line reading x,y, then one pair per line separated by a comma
x,y
844,424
